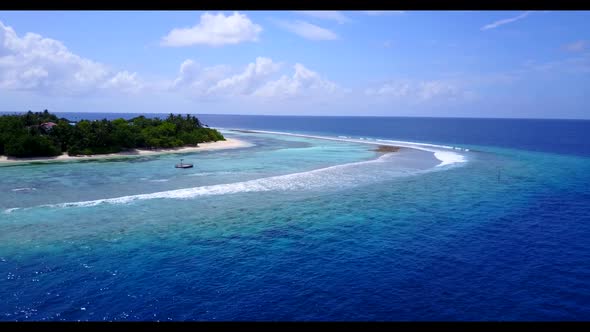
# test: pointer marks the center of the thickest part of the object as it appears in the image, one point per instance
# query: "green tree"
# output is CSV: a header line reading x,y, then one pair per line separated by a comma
x,y
21,135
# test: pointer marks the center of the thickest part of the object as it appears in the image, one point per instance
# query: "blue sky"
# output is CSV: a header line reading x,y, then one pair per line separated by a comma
x,y
409,63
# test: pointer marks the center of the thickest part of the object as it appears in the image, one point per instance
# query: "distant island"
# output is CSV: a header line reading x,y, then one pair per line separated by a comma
x,y
42,134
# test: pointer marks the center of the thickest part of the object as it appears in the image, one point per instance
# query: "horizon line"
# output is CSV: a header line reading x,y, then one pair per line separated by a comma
x,y
331,116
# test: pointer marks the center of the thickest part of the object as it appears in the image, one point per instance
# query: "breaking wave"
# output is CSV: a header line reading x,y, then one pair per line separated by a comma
x,y
24,189
441,152
333,177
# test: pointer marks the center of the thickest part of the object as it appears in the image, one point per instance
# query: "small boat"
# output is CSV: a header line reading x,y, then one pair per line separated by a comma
x,y
183,165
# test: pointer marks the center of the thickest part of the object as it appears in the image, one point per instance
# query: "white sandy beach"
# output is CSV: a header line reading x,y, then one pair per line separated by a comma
x,y
444,153
229,143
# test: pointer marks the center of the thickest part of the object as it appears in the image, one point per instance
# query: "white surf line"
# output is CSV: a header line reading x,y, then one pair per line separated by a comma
x,y
279,182
446,157
320,177
294,181
24,189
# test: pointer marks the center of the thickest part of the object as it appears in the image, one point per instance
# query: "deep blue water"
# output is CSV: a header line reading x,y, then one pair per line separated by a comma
x,y
278,231
559,136
556,136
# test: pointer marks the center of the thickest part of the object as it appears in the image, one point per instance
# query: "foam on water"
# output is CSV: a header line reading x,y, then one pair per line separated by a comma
x,y
332,177
210,173
24,189
448,158
323,177
440,151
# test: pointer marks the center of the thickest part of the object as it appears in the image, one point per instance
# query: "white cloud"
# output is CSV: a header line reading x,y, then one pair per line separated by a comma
x,y
247,81
189,72
33,62
302,82
394,89
215,30
382,12
124,81
418,91
258,79
332,15
308,30
580,64
197,80
577,46
498,23
434,89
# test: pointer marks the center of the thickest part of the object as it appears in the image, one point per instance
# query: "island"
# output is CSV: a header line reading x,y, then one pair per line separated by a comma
x,y
45,135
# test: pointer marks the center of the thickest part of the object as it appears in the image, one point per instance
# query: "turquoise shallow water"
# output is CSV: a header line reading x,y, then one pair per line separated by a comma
x,y
44,183
296,228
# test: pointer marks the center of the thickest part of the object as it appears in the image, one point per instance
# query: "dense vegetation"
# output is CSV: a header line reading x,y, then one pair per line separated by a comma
x,y
26,136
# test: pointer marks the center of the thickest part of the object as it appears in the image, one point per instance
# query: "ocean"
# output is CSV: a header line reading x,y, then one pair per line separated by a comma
x,y
474,219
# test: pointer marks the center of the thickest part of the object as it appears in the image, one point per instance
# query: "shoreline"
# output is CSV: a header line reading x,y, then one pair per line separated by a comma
x,y
445,153
229,143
